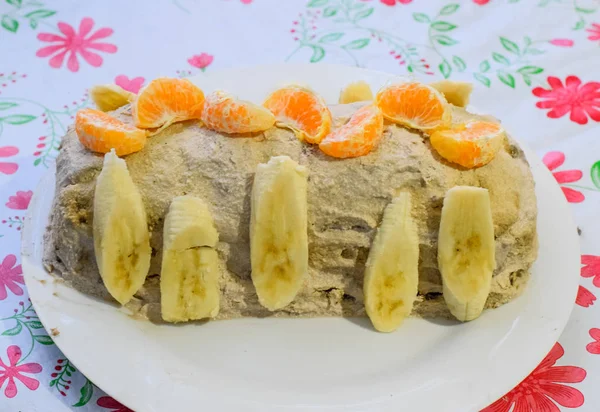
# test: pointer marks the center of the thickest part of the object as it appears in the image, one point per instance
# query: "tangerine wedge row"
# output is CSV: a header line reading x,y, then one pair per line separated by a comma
x,y
415,105
165,101
301,110
357,137
470,145
100,132
224,113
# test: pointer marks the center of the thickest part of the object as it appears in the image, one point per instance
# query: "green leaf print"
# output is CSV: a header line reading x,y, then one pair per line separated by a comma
x,y
317,3
33,23
586,11
459,63
16,3
482,79
442,26
421,17
363,14
510,46
318,54
500,58
484,66
595,174
330,11
9,23
357,44
17,119
13,331
35,324
507,78
40,14
449,9
445,69
87,390
7,105
530,70
331,37
579,25
43,339
444,40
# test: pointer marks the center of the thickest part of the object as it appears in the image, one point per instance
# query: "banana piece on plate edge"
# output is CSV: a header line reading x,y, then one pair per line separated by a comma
x,y
121,237
466,250
392,269
189,279
278,231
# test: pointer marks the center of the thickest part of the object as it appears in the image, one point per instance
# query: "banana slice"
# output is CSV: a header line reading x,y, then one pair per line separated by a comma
x,y
466,250
359,91
189,279
278,231
392,269
121,238
108,97
457,93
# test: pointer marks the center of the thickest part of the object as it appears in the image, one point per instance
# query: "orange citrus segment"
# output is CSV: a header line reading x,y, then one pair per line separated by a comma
x,y
414,104
224,113
357,137
301,110
470,145
100,132
165,101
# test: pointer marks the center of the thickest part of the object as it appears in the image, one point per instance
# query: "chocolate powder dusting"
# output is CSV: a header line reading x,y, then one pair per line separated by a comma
x,y
346,199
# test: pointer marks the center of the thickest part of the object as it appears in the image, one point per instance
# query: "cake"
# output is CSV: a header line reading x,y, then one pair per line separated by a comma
x,y
346,200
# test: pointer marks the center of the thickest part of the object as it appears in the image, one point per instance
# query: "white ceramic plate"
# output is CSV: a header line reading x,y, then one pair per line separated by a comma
x,y
312,364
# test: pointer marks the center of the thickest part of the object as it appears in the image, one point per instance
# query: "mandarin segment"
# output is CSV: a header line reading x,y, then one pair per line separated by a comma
x,y
357,137
165,101
470,145
301,110
415,105
100,132
225,113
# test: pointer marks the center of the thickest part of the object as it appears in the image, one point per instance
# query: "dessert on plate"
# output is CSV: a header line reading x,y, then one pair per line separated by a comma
x,y
183,206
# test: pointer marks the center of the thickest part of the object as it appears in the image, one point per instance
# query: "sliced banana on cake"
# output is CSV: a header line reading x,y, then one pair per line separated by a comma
x,y
121,238
108,97
466,250
278,231
392,269
189,279
359,91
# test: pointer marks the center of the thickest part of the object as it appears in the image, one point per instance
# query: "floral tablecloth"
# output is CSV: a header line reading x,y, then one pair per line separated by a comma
x,y
535,63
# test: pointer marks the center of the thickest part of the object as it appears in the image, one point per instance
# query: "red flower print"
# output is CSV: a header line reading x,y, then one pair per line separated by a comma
x,y
594,347
542,386
131,85
201,61
10,276
585,298
76,43
109,403
591,268
581,102
562,42
393,2
12,371
8,168
20,201
481,2
553,160
594,32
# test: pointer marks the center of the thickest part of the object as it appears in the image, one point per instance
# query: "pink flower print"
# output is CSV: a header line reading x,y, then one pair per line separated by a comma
x,y
109,403
12,371
393,2
10,277
581,102
562,42
481,2
20,201
8,168
591,268
585,298
542,386
131,85
594,32
594,347
201,61
74,43
553,160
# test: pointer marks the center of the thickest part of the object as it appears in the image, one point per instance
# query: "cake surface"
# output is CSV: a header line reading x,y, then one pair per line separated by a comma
x,y
346,199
